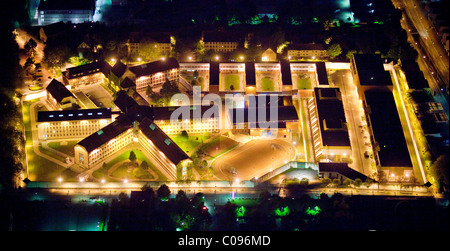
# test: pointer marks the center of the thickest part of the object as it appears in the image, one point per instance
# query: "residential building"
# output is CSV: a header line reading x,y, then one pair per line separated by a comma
x,y
313,51
88,74
71,124
221,41
59,96
387,137
329,130
74,11
269,55
155,73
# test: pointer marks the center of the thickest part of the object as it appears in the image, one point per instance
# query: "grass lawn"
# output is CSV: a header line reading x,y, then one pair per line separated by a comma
x,y
41,169
102,172
63,146
304,83
232,80
132,172
191,142
35,88
267,84
246,202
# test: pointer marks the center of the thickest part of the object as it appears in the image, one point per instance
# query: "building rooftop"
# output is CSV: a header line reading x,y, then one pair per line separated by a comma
x,y
387,129
69,115
250,74
371,70
214,73
286,76
67,5
107,133
58,90
154,67
118,69
322,76
331,117
285,113
163,142
87,69
127,83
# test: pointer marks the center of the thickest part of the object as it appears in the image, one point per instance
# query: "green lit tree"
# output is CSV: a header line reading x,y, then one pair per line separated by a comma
x,y
148,50
334,50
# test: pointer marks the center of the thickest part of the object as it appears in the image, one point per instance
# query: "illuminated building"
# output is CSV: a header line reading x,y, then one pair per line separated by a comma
x,y
71,124
92,73
374,85
59,96
268,55
74,11
220,41
155,73
254,122
131,128
307,51
331,140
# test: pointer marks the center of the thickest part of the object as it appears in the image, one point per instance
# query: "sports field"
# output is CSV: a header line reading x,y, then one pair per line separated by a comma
x,y
253,159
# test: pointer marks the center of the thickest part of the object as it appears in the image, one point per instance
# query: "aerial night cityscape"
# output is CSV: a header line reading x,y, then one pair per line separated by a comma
x,y
245,117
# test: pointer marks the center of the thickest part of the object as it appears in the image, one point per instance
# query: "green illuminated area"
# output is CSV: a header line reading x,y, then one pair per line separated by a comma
x,y
282,211
267,84
231,82
313,211
304,82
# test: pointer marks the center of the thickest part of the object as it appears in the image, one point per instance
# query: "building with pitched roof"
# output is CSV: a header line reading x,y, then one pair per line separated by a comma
x,y
59,96
221,41
88,74
71,124
155,73
149,127
307,51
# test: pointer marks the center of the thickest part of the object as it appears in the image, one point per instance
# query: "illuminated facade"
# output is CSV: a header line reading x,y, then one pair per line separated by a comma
x,y
155,73
88,74
71,124
59,96
220,41
74,11
331,140
308,51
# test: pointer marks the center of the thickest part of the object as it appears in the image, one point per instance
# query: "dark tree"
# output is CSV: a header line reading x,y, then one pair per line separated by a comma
x,y
163,192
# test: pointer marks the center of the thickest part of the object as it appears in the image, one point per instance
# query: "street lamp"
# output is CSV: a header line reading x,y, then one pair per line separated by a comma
x,y
59,179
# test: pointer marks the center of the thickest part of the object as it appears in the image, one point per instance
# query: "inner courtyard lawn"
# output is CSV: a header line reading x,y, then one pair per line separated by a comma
x,y
231,80
121,171
304,82
267,84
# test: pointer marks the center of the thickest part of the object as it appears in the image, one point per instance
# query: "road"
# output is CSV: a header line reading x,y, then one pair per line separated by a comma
x,y
359,137
432,55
